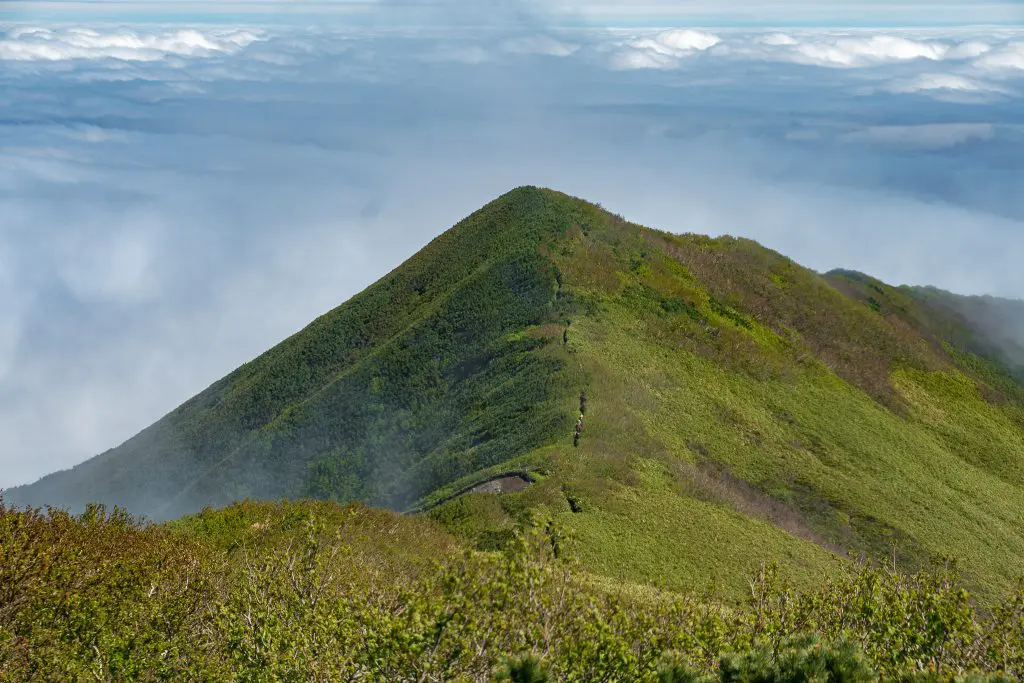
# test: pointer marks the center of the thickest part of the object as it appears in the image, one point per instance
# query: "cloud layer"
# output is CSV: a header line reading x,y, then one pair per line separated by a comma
x,y
965,57
31,43
175,199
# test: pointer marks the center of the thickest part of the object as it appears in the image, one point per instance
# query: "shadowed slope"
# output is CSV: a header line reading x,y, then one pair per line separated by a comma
x,y
383,398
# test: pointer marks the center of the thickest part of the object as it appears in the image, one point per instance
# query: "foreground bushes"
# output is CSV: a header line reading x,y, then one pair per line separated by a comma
x,y
98,597
101,597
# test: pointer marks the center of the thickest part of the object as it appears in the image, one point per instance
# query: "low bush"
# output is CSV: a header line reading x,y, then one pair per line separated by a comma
x,y
102,596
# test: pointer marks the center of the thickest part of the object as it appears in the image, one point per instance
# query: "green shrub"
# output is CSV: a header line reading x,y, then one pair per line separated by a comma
x,y
525,669
311,591
800,660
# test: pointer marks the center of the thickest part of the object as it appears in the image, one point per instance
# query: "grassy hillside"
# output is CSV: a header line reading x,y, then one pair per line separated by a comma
x,y
739,408
742,408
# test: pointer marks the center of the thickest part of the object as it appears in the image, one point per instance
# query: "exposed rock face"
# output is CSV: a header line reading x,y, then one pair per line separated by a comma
x,y
508,484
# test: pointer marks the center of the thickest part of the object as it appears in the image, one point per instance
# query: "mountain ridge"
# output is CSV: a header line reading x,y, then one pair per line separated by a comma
x,y
732,394
300,376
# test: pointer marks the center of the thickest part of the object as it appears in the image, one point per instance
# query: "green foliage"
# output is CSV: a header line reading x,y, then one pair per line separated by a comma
x,y
98,596
798,661
303,596
525,669
674,669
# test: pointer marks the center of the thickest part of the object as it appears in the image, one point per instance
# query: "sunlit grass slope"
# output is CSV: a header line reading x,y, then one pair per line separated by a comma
x,y
744,409
739,408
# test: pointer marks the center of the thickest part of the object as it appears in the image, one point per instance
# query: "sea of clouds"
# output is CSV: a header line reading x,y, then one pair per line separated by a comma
x,y
175,199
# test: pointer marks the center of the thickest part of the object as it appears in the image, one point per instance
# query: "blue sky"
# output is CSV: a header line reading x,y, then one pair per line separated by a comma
x,y
176,196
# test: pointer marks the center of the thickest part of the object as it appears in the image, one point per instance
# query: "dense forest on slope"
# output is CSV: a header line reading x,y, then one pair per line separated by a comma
x,y
425,376
739,408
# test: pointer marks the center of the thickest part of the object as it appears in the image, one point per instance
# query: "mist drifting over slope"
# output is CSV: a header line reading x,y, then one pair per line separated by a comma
x,y
178,197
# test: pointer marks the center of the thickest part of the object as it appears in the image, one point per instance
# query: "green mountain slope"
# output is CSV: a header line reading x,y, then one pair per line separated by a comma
x,y
423,377
739,407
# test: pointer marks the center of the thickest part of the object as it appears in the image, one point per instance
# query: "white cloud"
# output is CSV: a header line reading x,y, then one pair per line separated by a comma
x,y
41,44
88,133
100,265
967,49
49,164
778,39
823,48
641,59
848,51
686,39
1007,57
944,82
662,50
11,312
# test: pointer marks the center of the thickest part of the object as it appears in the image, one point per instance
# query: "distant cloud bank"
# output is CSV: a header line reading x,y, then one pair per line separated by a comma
x,y
959,61
41,44
991,55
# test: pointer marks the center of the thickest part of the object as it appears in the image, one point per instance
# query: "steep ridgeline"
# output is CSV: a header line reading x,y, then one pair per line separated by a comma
x,y
426,376
739,408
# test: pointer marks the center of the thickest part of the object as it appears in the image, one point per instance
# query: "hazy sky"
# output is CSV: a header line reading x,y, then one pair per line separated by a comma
x,y
558,12
180,190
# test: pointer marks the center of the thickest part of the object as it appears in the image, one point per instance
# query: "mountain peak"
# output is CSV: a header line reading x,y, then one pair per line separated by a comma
x,y
726,394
